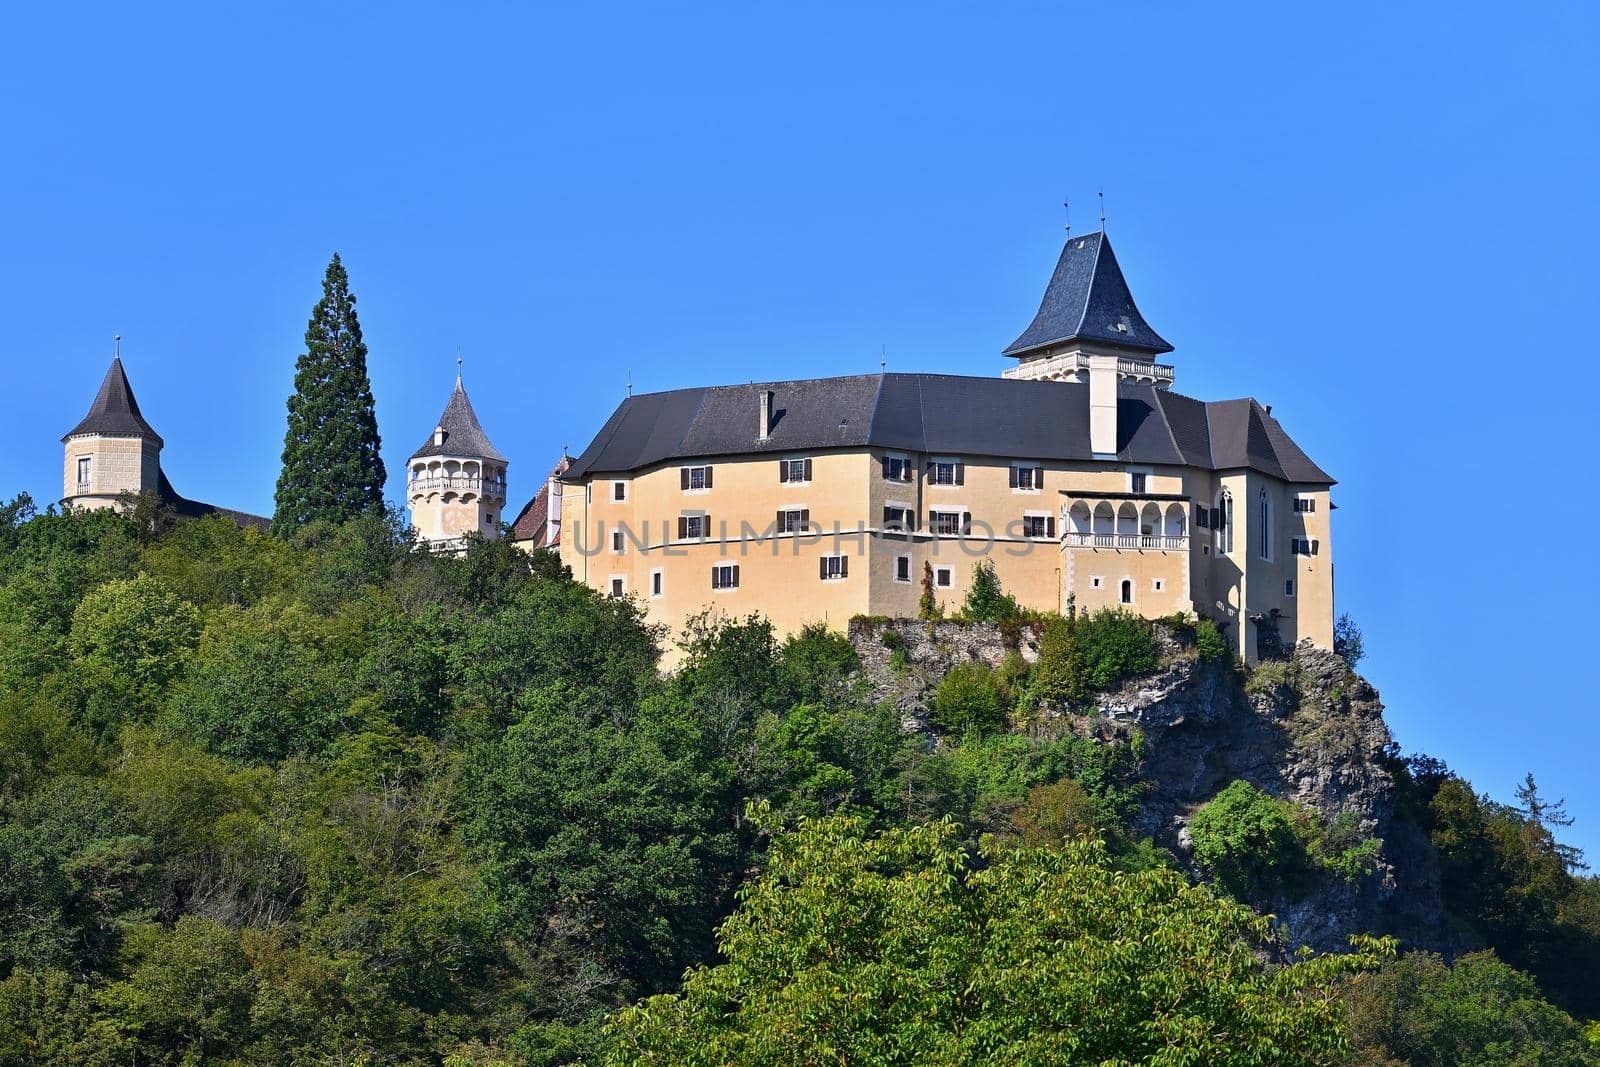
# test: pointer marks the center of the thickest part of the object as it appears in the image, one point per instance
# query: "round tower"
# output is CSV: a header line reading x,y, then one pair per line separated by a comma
x,y
456,482
113,451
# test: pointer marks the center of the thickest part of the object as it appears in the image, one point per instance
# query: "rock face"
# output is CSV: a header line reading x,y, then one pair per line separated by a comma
x,y
1305,729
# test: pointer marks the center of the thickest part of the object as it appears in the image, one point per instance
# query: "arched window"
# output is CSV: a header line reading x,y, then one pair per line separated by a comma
x,y
1225,525
1266,525
1127,590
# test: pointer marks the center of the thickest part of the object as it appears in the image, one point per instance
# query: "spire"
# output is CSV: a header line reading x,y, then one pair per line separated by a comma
x,y
461,432
115,410
1088,300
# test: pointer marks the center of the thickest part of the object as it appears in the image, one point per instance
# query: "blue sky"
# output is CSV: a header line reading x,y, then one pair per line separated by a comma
x,y
1380,219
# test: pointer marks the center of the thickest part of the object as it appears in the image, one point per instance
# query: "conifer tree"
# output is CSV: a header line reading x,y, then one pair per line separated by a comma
x,y
332,468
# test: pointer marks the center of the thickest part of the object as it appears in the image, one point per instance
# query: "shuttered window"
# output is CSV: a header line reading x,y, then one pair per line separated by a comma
x,y
725,576
1027,477
795,520
794,470
830,567
694,478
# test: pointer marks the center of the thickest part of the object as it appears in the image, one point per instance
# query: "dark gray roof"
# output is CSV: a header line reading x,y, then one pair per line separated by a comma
x,y
114,409
194,509
463,434
1088,299
941,413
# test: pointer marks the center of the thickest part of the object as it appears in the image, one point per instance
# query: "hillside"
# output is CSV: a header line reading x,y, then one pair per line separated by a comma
x,y
334,799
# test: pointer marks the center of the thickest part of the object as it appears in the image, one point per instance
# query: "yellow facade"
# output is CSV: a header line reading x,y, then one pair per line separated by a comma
x,y
622,534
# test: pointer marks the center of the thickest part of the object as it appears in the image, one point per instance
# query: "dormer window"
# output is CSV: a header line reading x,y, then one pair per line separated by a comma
x,y
438,436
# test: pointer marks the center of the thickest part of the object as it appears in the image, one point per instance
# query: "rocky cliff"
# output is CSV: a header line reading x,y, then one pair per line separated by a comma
x,y
1305,729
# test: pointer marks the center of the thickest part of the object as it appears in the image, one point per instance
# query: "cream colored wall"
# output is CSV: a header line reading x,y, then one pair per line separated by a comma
x,y
451,514
848,489
119,465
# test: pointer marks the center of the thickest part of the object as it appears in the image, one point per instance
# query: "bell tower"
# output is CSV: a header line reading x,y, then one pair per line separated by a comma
x,y
113,451
456,482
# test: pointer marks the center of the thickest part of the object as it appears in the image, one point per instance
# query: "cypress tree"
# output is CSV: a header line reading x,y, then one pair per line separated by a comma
x,y
332,468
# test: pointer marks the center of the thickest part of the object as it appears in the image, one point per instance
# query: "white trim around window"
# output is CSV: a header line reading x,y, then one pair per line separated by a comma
x,y
617,585
944,577
724,576
902,566
619,492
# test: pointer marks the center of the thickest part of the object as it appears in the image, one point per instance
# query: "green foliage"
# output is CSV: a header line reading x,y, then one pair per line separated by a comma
x,y
332,468
889,949
1254,845
928,607
1475,1012
1060,676
986,601
1348,642
131,638
970,700
1117,645
1210,643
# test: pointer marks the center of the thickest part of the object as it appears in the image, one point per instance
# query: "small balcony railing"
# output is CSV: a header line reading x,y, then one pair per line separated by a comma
x,y
458,483
1156,542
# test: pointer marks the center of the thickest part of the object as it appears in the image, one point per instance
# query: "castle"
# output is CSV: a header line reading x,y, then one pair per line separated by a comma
x,y
1079,473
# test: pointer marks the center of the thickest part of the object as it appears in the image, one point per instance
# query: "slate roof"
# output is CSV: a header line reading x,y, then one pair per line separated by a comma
x,y
1088,299
942,414
115,410
194,509
463,434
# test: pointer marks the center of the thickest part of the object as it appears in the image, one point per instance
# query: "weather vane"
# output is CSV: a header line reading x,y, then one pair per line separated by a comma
x,y
118,339
1067,203
1102,209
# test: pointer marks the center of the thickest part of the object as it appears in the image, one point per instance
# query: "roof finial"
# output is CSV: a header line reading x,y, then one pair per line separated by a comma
x,y
1102,209
118,339
630,383
1067,203
883,358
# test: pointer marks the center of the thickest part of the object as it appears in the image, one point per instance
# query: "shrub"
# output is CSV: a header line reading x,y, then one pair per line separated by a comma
x,y
1116,645
1059,675
1210,643
1348,643
928,605
1248,842
970,700
986,600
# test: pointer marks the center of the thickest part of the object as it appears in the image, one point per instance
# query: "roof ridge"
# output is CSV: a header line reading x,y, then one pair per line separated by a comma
x,y
1088,292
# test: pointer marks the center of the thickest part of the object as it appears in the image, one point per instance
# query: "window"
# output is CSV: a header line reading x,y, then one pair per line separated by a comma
x,y
1305,504
1302,546
902,568
694,527
619,490
1127,590
1096,582
694,479
725,576
947,472
1222,522
656,583
1158,585
897,518
1288,587
794,470
833,567
1265,531
616,540
1038,526
943,577
491,518
949,523
619,587
794,520
1027,479
1136,483
896,469
1202,516
85,468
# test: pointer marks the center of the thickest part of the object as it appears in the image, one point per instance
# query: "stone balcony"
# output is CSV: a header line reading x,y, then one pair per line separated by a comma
x,y
490,488
1074,367
1140,541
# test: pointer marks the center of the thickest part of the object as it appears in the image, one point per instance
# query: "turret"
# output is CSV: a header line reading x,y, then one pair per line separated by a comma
x,y
456,482
113,451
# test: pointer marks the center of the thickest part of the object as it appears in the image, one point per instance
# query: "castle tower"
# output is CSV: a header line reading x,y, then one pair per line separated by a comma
x,y
456,482
1088,312
112,451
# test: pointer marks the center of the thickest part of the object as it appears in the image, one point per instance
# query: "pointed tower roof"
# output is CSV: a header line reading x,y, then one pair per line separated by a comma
x,y
463,433
114,409
1088,300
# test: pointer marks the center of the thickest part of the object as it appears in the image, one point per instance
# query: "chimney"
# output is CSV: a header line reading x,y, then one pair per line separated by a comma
x,y
438,435
765,429
1103,405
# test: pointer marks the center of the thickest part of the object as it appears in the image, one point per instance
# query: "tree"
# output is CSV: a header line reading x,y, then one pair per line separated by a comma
x,y
928,603
331,464
1419,1011
986,600
892,949
1348,643
1549,816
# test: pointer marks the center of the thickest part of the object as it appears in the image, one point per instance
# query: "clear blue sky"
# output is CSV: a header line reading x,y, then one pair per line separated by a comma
x,y
1382,220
